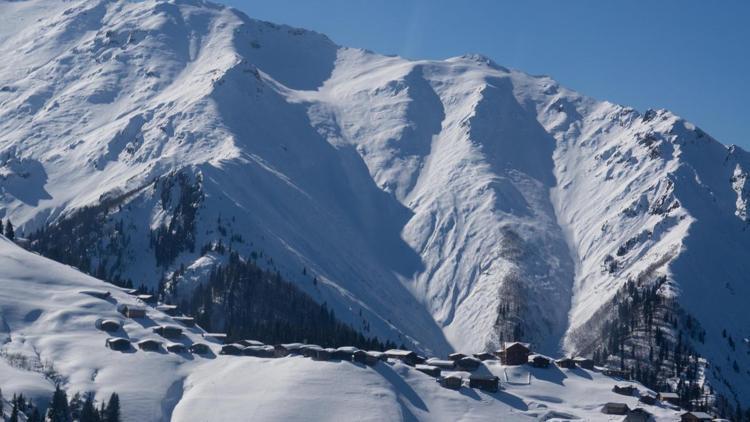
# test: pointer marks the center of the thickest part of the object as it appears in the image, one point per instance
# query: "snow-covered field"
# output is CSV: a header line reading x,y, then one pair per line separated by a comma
x,y
45,318
445,204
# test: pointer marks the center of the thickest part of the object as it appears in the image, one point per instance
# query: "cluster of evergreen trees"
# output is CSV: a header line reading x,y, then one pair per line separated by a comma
x,y
245,301
78,409
8,230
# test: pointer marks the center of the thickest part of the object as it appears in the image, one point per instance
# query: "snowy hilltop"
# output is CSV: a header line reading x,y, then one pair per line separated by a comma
x,y
445,205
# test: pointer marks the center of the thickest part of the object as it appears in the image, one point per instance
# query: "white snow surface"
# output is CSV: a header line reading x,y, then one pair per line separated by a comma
x,y
45,318
424,195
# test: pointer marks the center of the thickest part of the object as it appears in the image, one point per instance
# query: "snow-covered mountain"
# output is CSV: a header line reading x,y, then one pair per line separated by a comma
x,y
451,204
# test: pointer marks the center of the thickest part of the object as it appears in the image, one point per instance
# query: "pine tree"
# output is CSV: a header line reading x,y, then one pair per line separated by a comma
x,y
88,411
1,391
112,412
35,416
9,232
58,410
14,413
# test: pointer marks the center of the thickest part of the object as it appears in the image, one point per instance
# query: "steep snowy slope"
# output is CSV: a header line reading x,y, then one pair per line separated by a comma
x,y
48,335
448,204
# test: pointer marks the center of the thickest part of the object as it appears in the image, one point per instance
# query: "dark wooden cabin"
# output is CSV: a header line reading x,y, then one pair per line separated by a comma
x,y
365,358
233,349
485,356
259,351
584,363
176,348
452,381
149,345
625,389
566,363
109,325
456,356
118,343
199,348
615,409
638,414
468,364
515,354
442,363
430,370
538,361
132,311
671,398
168,331
484,382
406,356
696,417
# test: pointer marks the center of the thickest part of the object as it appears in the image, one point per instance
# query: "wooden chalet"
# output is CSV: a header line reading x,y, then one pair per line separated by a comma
x,y
378,355
176,348
485,356
615,409
625,389
584,363
468,364
696,417
317,353
456,356
251,343
118,343
671,398
638,414
406,356
109,325
232,349
566,363
647,397
452,381
430,370
132,311
149,345
168,331
217,337
514,354
259,351
539,361
199,348
170,310
365,358
288,349
345,353
442,363
484,382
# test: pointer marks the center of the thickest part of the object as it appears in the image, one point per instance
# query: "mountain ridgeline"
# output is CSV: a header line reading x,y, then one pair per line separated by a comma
x,y
275,183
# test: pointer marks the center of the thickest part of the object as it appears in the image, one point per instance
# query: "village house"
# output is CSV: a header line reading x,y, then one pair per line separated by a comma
x,y
566,363
647,397
442,363
365,358
345,353
696,417
430,370
451,381
118,343
584,363
456,356
406,356
170,310
149,345
288,349
671,398
378,355
538,361
233,349
185,320
514,354
485,356
109,325
217,337
615,409
638,414
468,364
259,351
176,348
251,343
317,353
625,389
484,382
168,331
199,348
132,311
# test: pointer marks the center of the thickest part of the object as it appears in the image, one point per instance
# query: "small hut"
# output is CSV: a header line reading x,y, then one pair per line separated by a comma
x,y
406,356
118,343
378,355
468,364
149,345
288,349
185,320
233,349
220,338
365,358
345,353
99,294
566,363
515,354
170,310
430,370
696,417
108,325
259,351
442,363
456,356
671,398
638,414
176,348
584,363
132,311
199,348
485,356
451,381
647,397
625,389
539,361
168,331
484,382
615,408
317,353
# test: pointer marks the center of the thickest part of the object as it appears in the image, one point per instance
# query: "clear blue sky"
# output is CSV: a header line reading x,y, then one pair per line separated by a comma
x,y
690,56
